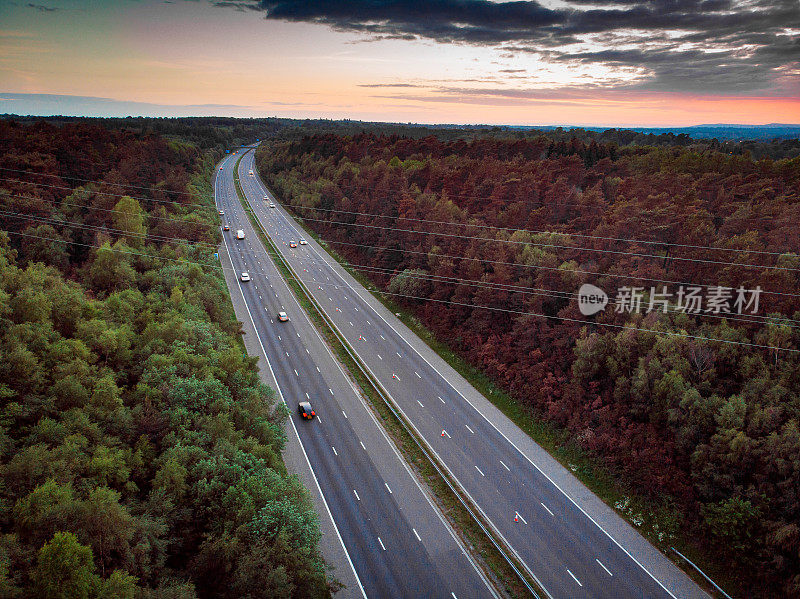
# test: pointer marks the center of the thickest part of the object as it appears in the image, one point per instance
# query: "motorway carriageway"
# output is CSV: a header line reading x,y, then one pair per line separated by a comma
x,y
397,542
568,553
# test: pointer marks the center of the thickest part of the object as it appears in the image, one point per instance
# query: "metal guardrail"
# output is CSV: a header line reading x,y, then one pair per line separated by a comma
x,y
421,444
703,574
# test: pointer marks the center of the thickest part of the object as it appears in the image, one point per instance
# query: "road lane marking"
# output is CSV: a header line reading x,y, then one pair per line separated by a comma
x,y
318,370
420,404
351,324
574,578
381,542
398,354
469,429
345,415
479,470
518,515
388,489
334,450
382,337
331,390
417,373
362,446
604,568
414,530
307,397
357,497
308,352
295,373
548,509
446,433
440,399
504,465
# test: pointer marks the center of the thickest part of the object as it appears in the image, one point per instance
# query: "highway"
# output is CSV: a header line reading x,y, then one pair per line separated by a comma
x,y
571,552
397,542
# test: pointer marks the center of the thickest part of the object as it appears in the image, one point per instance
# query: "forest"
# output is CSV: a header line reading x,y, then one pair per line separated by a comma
x,y
140,455
488,240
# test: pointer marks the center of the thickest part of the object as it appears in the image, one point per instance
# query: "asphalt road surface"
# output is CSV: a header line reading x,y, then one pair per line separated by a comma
x,y
398,544
569,552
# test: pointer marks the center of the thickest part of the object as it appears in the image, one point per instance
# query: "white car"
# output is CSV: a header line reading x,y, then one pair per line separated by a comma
x,y
303,241
271,205
251,172
245,276
283,317
239,234
266,198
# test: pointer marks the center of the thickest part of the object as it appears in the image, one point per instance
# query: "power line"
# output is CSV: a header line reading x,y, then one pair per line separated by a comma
x,y
476,238
537,232
89,207
576,248
564,318
538,267
568,295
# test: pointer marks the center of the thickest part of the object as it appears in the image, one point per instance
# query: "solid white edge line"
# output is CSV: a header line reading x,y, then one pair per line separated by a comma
x,y
303,449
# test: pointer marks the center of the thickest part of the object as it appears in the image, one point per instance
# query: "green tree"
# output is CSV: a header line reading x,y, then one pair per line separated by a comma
x,y
129,218
64,569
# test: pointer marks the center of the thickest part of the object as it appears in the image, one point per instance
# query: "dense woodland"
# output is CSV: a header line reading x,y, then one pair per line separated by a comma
x,y
451,228
139,452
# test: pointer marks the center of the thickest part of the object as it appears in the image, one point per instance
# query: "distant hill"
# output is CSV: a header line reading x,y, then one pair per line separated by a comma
x,y
722,132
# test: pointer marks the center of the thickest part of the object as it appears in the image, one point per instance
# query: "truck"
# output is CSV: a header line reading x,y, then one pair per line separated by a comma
x,y
239,234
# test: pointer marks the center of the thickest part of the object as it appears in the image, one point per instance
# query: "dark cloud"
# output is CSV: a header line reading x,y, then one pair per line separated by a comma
x,y
722,46
42,7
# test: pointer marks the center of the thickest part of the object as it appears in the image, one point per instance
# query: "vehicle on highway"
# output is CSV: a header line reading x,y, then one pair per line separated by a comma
x,y
292,244
283,317
221,212
266,198
245,276
251,173
220,168
239,234
271,205
305,410
303,241
226,228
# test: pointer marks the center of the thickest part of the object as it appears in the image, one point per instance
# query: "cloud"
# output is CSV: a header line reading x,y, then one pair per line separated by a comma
x,y
42,7
729,46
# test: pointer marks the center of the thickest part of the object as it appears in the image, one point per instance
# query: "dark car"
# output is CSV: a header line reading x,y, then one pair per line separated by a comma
x,y
305,410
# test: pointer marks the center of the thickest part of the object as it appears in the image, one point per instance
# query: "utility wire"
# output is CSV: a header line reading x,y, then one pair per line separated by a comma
x,y
520,312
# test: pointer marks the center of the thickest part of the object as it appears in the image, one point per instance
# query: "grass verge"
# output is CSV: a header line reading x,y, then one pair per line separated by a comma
x,y
495,565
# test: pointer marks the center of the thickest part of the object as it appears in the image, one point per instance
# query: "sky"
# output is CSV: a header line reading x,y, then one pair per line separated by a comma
x,y
551,62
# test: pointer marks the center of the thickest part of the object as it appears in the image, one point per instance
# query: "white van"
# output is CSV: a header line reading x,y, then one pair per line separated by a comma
x,y
239,234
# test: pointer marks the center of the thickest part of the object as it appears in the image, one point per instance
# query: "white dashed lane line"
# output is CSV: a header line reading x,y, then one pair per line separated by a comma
x,y
469,429
547,508
381,542
574,578
504,465
479,470
414,530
